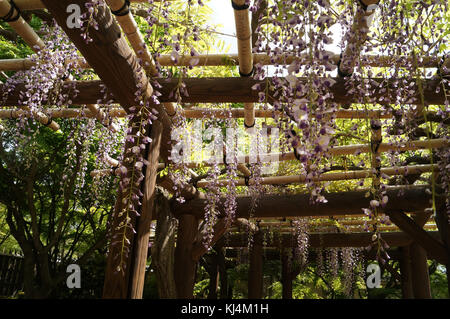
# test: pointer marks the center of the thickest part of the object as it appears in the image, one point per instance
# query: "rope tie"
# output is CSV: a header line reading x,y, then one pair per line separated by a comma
x,y
121,12
247,74
247,180
238,7
49,121
9,17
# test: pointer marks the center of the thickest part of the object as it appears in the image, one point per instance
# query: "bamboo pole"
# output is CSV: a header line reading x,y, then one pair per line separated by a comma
x,y
19,25
37,4
131,30
244,42
41,117
347,150
233,59
111,171
111,161
101,116
196,113
338,176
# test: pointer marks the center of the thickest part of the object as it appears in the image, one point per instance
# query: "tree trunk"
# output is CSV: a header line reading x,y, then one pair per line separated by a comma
x,y
163,248
185,266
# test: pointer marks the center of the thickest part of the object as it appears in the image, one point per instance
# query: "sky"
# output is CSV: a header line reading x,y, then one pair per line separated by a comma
x,y
223,15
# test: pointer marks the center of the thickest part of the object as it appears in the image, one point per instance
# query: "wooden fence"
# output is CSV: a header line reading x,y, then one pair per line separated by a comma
x,y
11,274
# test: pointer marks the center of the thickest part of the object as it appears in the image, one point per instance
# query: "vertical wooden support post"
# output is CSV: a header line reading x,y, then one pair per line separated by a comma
x,y
420,276
286,275
163,248
185,266
405,272
214,276
144,221
128,283
255,271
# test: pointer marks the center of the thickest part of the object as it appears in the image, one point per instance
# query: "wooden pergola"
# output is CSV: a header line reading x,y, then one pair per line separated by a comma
x,y
118,42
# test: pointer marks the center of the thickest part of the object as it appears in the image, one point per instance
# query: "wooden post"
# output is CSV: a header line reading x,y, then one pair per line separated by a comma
x,y
213,271
163,248
185,266
223,276
405,272
143,222
420,276
255,271
286,274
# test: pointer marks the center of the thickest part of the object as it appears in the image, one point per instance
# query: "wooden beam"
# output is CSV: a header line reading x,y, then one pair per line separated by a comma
x,y
419,235
196,113
109,47
344,203
321,240
224,90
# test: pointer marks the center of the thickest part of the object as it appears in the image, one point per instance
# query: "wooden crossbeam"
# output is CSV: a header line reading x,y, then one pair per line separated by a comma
x,y
344,203
419,235
393,239
220,90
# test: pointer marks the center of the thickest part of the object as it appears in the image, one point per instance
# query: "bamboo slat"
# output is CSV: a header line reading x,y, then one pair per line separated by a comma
x,y
37,4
